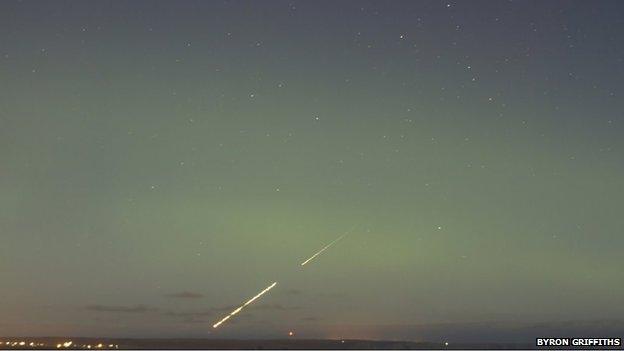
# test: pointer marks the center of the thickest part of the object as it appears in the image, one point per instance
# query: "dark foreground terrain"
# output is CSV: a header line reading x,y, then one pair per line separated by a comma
x,y
56,343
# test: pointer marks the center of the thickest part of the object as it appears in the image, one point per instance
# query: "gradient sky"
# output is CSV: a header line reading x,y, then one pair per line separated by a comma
x,y
161,162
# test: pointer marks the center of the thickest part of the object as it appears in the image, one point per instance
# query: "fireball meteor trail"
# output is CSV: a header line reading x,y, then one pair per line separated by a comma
x,y
326,247
216,325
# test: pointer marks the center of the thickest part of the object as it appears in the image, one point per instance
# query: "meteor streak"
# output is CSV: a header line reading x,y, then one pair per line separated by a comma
x,y
326,247
216,325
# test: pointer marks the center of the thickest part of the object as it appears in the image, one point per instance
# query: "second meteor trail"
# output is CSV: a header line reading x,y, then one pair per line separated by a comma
x,y
326,247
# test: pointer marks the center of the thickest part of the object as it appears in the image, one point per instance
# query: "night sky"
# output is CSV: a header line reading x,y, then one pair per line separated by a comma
x,y
161,162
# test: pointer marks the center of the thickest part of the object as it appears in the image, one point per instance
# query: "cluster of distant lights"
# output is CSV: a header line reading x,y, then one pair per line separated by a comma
x,y
63,345
22,343
70,344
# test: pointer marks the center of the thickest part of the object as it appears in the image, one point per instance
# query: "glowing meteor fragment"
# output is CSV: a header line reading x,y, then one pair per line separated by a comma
x,y
326,247
216,325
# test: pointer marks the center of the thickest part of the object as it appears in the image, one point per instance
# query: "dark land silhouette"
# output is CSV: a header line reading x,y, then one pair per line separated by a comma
x,y
57,343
